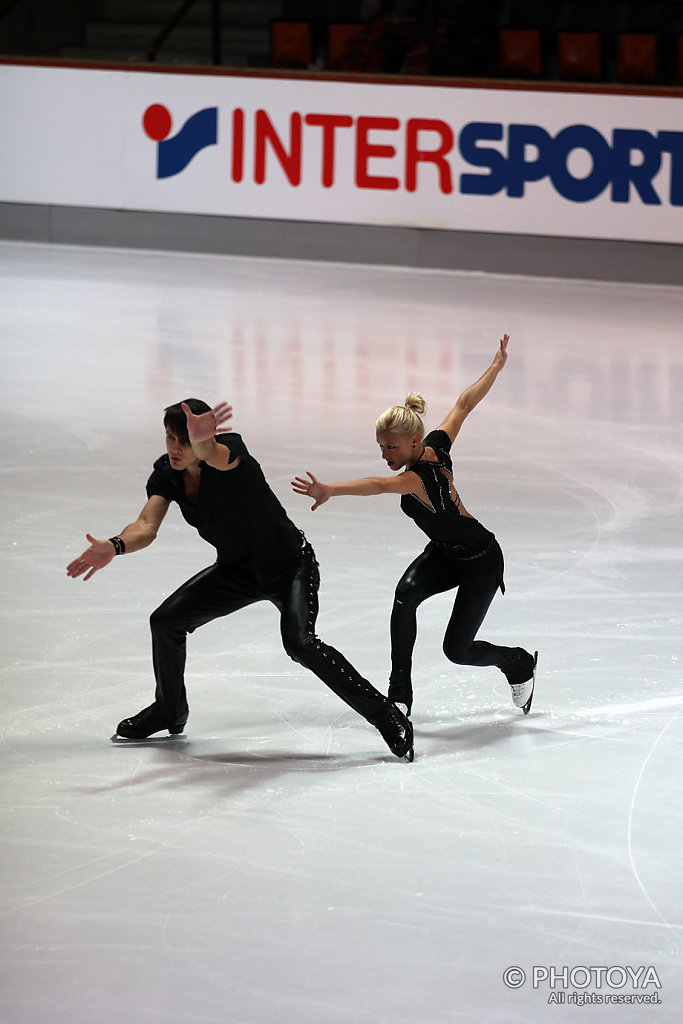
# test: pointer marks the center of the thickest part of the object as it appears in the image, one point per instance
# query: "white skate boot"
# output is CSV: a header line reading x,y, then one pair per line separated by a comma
x,y
523,693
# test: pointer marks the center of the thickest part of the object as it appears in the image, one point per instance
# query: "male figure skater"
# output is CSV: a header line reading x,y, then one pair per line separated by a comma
x,y
261,556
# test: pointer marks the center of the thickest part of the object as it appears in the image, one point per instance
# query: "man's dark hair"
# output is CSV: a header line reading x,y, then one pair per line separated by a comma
x,y
175,419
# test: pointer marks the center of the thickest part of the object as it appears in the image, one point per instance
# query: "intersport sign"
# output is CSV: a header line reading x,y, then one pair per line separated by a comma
x,y
500,160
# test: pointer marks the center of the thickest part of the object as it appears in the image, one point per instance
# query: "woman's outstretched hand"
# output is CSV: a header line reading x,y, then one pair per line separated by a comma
x,y
99,554
501,355
207,424
313,489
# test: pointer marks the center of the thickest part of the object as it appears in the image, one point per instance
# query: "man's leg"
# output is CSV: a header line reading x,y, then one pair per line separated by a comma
x,y
298,605
210,594
213,592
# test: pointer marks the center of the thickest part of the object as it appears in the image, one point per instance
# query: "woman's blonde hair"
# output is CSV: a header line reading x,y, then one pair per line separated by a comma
x,y
404,419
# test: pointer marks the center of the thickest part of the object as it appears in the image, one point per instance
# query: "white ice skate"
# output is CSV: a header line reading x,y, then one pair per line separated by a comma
x,y
523,693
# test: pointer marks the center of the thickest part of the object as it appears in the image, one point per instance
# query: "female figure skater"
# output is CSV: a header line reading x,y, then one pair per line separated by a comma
x,y
261,556
461,553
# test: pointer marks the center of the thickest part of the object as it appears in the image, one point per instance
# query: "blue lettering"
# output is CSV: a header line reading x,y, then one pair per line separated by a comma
x,y
581,190
521,170
672,142
482,184
624,142
611,164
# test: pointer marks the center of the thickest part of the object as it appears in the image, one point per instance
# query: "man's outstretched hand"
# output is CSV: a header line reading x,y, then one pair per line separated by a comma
x,y
207,424
99,554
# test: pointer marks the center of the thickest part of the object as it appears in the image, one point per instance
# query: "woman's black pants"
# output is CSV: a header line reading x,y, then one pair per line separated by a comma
x,y
434,572
222,589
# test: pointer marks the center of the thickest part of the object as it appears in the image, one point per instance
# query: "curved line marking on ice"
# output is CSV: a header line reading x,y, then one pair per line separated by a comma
x,y
674,928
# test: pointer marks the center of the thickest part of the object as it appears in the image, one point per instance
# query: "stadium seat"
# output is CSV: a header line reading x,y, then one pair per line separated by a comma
x,y
579,57
340,37
290,44
637,58
520,53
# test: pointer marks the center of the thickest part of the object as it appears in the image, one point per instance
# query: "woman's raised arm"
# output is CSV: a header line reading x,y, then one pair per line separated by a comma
x,y
472,395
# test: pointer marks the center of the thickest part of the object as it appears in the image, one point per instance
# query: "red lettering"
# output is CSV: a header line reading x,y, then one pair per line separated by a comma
x,y
366,151
329,123
290,162
237,144
289,152
436,156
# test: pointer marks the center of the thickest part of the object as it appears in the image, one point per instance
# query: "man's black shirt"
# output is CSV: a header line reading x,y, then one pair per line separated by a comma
x,y
236,511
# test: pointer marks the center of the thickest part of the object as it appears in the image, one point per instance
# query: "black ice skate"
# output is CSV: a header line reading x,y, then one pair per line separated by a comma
x,y
147,722
401,691
523,693
397,732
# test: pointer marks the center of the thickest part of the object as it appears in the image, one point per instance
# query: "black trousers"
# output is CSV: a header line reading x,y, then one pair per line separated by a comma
x,y
434,572
222,589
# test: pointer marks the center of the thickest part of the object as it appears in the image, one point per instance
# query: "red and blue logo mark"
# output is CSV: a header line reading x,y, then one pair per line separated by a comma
x,y
174,154
498,157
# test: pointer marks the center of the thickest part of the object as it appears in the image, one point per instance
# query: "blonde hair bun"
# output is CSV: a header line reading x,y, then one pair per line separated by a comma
x,y
404,419
415,402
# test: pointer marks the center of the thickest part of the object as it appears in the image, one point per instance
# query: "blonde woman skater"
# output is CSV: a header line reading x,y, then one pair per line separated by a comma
x,y
461,555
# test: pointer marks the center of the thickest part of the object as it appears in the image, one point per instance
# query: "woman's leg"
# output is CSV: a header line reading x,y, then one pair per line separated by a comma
x,y
471,604
431,573
298,605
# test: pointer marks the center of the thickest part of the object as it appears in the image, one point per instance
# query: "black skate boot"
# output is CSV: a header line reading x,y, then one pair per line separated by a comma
x,y
401,691
147,722
397,732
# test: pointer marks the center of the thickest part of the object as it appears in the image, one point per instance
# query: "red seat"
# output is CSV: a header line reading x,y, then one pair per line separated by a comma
x,y
290,44
520,53
637,58
579,57
340,38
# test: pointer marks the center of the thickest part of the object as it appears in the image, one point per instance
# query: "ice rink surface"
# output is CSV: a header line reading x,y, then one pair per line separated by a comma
x,y
276,865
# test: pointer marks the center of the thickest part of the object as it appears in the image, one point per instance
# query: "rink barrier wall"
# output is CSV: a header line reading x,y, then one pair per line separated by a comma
x,y
491,176
538,256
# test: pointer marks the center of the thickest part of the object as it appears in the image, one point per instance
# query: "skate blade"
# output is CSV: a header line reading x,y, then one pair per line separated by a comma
x,y
527,707
410,756
123,740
